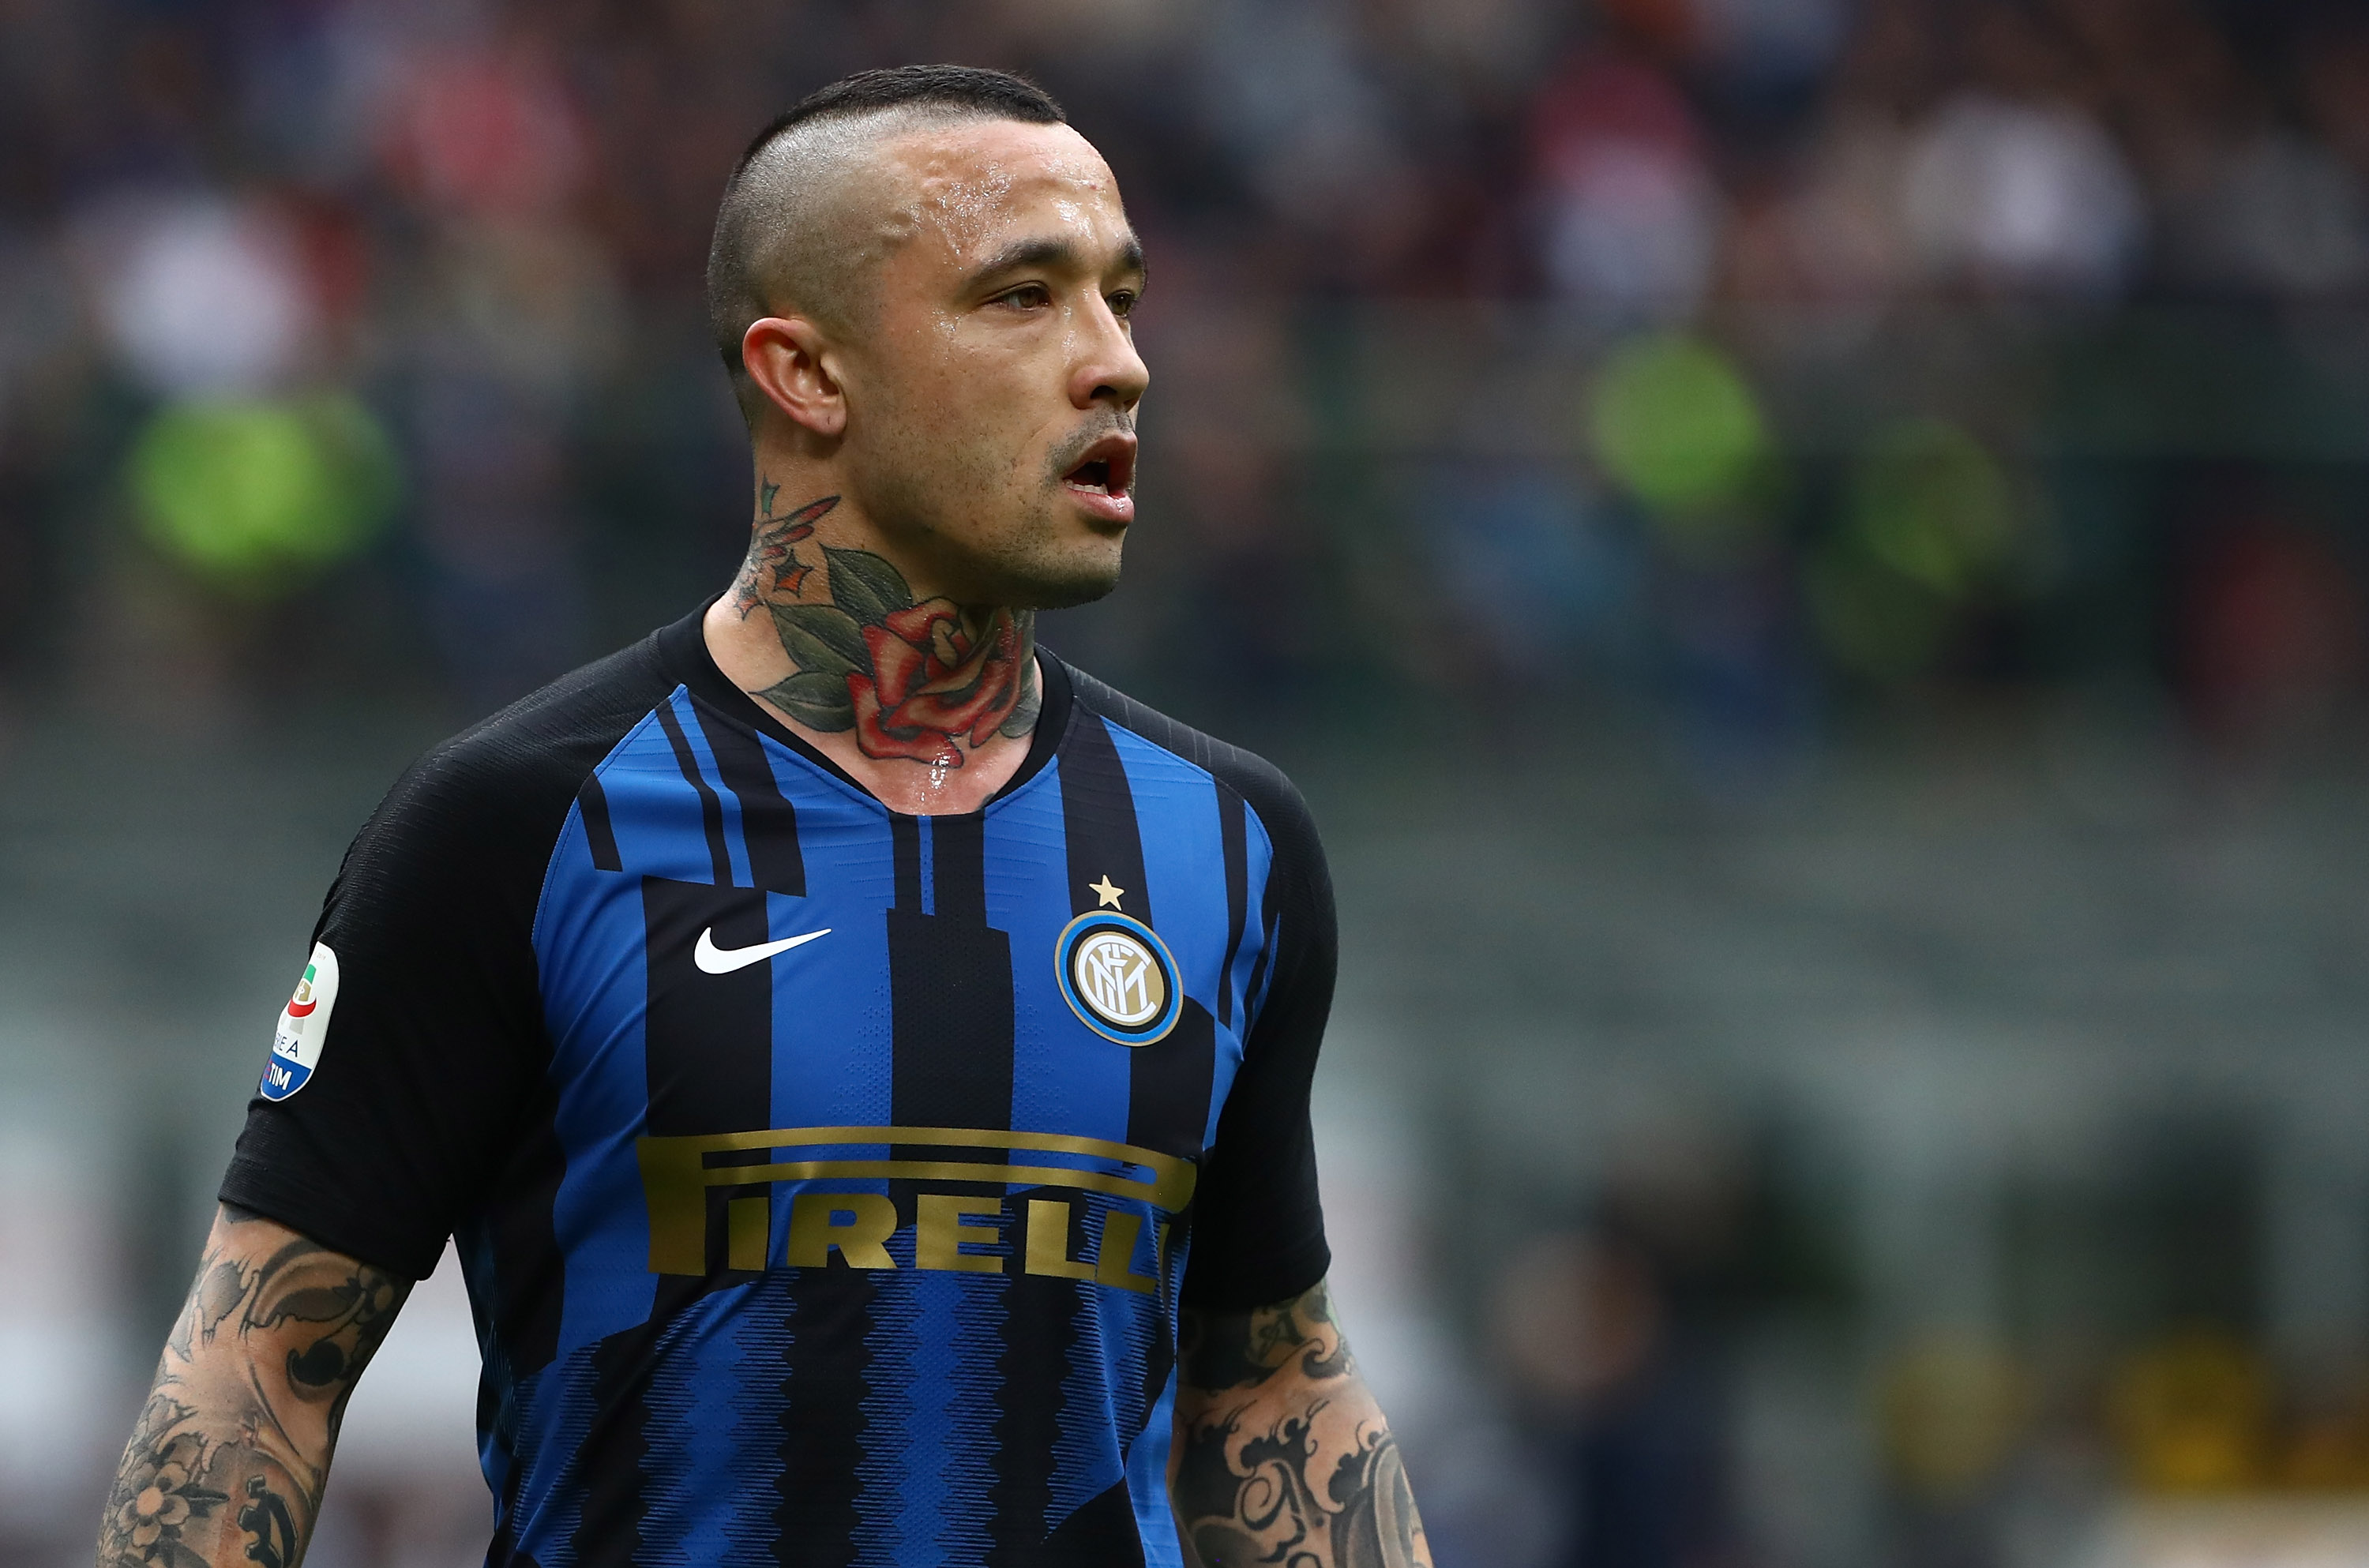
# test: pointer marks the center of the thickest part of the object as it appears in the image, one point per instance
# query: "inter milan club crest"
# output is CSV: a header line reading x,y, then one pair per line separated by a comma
x,y
296,1044
1118,978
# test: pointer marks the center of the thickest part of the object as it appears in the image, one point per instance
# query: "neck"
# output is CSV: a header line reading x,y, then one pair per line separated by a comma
x,y
927,701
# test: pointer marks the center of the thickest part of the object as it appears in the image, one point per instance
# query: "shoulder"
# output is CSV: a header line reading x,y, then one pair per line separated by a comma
x,y
499,792
1270,796
555,736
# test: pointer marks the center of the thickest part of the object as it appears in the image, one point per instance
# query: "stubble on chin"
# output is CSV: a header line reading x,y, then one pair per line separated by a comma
x,y
1037,560
1052,559
1042,570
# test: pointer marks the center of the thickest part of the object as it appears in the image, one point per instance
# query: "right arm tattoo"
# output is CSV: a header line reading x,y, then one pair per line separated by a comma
x,y
1281,1455
228,1458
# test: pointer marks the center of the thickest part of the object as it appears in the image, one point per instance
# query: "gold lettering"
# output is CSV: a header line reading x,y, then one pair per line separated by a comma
x,y
1115,1263
1048,1241
863,1241
748,1231
676,1174
938,1232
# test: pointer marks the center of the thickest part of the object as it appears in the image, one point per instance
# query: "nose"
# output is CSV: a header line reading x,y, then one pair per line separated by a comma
x,y
1106,367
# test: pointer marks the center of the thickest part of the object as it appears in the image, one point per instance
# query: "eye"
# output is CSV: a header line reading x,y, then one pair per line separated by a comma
x,y
1122,303
1027,296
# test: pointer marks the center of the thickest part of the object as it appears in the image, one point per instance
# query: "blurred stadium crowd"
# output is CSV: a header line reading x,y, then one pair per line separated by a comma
x,y
1712,358
1742,375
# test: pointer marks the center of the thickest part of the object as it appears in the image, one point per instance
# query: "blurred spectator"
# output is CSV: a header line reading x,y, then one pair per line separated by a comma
x,y
482,130
1929,535
1772,47
1952,1407
1626,1400
505,590
482,225
512,312
2011,185
197,294
1615,1338
1837,236
1309,127
2275,216
1677,424
2270,634
2012,196
2333,63
2194,1414
1633,217
1540,573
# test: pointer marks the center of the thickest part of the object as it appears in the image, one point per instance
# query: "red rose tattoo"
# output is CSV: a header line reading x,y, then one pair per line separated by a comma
x,y
914,680
931,681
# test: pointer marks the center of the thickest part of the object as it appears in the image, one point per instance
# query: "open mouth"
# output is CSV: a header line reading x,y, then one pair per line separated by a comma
x,y
1107,468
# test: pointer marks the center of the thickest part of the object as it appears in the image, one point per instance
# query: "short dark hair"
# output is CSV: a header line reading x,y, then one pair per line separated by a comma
x,y
994,95
737,293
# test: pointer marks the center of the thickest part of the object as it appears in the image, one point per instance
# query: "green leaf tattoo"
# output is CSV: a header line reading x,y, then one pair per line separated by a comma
x,y
818,701
920,681
1024,711
821,639
866,586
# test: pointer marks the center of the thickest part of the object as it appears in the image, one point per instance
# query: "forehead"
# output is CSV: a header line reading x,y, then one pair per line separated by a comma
x,y
975,184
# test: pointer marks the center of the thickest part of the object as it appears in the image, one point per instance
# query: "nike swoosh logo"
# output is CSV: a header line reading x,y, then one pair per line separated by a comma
x,y
716,960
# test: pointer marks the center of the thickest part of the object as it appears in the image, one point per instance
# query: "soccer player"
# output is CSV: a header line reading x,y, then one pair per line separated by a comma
x,y
862,1060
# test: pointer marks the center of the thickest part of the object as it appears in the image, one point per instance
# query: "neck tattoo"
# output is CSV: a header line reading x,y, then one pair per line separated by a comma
x,y
917,679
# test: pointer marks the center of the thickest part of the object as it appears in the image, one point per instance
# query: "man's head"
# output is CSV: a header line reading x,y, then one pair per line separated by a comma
x,y
922,277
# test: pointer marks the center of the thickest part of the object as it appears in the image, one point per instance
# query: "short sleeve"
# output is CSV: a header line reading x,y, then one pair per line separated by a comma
x,y
433,1044
1258,1227
430,1038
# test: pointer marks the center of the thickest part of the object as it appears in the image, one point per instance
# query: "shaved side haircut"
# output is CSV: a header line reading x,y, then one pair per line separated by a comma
x,y
783,235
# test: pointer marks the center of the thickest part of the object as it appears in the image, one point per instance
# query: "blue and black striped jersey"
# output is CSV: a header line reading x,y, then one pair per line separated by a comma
x,y
825,1179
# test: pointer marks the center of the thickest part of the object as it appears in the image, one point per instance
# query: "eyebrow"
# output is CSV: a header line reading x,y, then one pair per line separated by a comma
x,y
1056,252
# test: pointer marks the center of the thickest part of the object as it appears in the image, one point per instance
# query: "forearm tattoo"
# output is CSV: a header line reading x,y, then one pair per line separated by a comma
x,y
1282,1456
226,1462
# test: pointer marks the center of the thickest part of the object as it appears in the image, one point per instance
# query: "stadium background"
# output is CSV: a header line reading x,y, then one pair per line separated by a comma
x,y
1807,552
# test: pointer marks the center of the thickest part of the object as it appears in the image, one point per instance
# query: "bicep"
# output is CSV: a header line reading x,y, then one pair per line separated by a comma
x,y
1238,1357
297,1319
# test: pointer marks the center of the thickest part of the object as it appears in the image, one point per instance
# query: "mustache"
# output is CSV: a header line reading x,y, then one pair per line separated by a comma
x,y
1071,453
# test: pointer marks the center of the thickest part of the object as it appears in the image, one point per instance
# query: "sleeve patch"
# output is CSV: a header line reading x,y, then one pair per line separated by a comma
x,y
303,1025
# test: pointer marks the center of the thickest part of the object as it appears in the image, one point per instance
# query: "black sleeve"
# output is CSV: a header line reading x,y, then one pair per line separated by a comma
x,y
1258,1227
434,1041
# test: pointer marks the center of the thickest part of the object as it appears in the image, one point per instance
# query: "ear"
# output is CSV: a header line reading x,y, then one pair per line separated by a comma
x,y
793,364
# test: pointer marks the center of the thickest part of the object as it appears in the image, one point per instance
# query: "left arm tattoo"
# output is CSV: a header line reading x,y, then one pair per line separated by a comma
x,y
1281,1455
228,1458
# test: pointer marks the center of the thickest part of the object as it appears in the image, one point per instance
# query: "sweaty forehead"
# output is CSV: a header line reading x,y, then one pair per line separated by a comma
x,y
968,183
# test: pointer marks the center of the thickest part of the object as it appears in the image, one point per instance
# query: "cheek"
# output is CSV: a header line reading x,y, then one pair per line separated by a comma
x,y
950,454
985,409
965,418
